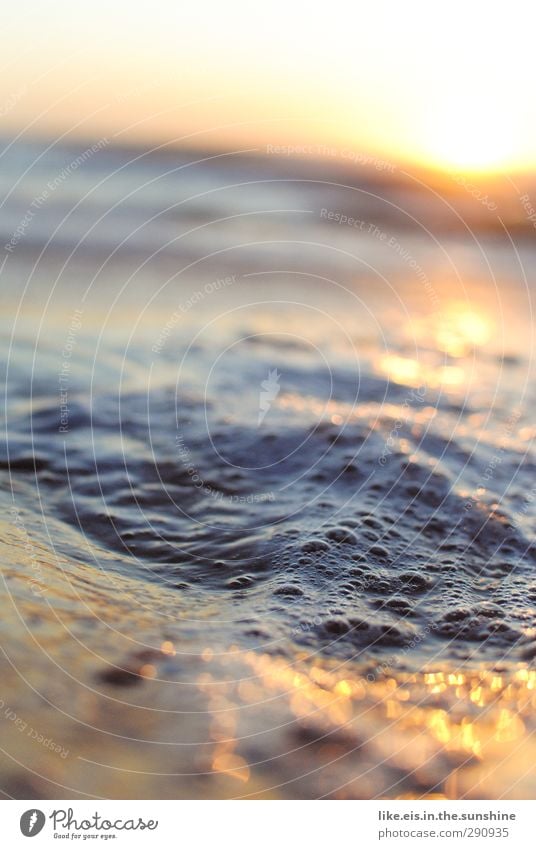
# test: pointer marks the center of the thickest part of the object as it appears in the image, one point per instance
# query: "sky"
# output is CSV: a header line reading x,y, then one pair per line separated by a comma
x,y
446,85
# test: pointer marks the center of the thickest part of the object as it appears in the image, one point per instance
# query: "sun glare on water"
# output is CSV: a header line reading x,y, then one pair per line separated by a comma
x,y
460,330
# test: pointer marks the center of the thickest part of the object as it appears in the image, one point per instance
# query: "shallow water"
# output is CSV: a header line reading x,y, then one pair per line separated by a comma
x,y
268,482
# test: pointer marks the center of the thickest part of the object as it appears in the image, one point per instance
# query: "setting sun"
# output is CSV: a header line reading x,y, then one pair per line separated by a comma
x,y
467,133
381,80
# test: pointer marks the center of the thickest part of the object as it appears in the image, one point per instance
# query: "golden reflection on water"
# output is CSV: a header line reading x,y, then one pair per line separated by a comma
x,y
411,372
456,332
473,719
459,330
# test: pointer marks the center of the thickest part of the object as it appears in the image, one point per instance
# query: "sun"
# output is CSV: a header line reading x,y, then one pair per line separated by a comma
x,y
470,133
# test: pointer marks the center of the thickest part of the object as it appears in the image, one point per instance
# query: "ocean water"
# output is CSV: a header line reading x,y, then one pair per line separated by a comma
x,y
268,478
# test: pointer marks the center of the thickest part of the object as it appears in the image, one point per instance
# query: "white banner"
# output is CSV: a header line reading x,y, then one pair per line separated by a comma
x,y
263,824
